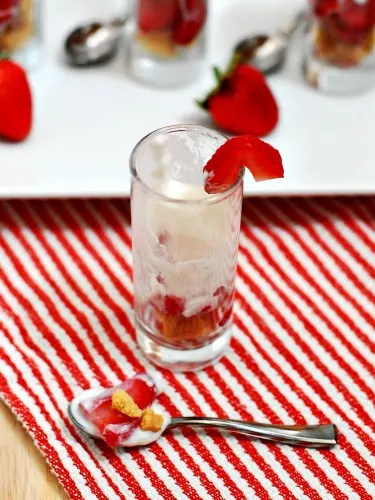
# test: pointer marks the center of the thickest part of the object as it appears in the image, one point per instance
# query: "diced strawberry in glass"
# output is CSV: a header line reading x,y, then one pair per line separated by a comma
x,y
323,8
160,279
8,9
220,292
173,305
113,425
192,18
358,16
156,15
164,237
226,316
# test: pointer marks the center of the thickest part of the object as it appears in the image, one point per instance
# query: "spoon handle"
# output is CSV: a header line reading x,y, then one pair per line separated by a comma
x,y
314,436
292,24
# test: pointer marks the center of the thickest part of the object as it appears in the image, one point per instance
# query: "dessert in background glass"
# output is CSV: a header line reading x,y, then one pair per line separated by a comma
x,y
340,45
168,42
185,246
20,33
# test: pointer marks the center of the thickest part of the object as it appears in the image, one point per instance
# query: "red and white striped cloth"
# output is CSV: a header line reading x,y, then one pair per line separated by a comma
x,y
303,350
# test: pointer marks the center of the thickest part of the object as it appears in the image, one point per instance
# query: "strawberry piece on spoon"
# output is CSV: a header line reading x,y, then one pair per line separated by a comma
x,y
223,169
113,425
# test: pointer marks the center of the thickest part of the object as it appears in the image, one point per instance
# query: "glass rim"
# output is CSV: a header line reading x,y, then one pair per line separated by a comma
x,y
211,198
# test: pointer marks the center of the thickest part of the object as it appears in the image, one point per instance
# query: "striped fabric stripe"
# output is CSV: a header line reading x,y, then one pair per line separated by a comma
x,y
303,350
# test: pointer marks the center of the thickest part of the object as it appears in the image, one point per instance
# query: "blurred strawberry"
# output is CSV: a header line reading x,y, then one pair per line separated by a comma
x,y
323,8
242,102
156,15
15,102
7,10
358,16
192,17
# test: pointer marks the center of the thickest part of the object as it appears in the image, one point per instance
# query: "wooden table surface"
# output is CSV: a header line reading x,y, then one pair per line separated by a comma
x,y
24,475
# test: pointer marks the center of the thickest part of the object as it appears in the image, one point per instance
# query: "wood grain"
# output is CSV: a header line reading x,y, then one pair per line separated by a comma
x,y
24,475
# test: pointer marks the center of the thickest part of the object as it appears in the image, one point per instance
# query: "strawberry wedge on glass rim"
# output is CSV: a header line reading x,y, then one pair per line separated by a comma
x,y
223,169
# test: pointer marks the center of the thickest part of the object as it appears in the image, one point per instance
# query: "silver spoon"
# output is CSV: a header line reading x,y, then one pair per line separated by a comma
x,y
94,42
313,436
268,53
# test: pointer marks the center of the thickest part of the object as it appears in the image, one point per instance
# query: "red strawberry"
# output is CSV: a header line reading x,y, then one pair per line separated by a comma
x,y
156,15
174,305
358,16
323,8
192,17
15,102
7,10
223,169
243,103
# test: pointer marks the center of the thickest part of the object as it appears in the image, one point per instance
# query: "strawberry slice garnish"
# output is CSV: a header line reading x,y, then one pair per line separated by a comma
x,y
113,425
156,15
192,17
223,169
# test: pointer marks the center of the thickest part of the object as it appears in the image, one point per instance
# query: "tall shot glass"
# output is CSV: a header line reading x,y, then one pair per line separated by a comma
x,y
185,247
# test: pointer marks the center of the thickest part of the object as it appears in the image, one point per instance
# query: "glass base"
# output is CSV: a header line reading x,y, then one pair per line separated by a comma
x,y
334,80
163,72
182,360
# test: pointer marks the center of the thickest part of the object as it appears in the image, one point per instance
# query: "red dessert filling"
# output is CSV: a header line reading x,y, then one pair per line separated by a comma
x,y
169,318
113,424
344,30
166,25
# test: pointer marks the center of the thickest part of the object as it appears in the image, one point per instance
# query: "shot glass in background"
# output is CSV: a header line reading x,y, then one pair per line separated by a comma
x,y
20,31
340,46
185,246
167,46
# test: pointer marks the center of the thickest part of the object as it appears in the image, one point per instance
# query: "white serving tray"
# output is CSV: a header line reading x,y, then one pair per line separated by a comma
x,y
87,120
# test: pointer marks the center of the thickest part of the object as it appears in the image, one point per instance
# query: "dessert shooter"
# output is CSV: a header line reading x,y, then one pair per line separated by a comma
x,y
168,43
187,190
20,35
340,43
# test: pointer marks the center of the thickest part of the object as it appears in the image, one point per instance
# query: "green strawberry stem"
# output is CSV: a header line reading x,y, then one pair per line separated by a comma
x,y
241,55
4,55
220,77
236,59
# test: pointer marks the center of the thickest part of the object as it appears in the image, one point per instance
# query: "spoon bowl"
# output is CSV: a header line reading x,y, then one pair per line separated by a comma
x,y
93,43
313,436
268,53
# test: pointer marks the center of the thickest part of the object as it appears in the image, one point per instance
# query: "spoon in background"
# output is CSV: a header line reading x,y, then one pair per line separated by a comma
x,y
94,43
313,436
267,53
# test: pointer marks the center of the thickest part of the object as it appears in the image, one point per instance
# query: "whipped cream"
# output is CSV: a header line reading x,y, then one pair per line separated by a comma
x,y
140,437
